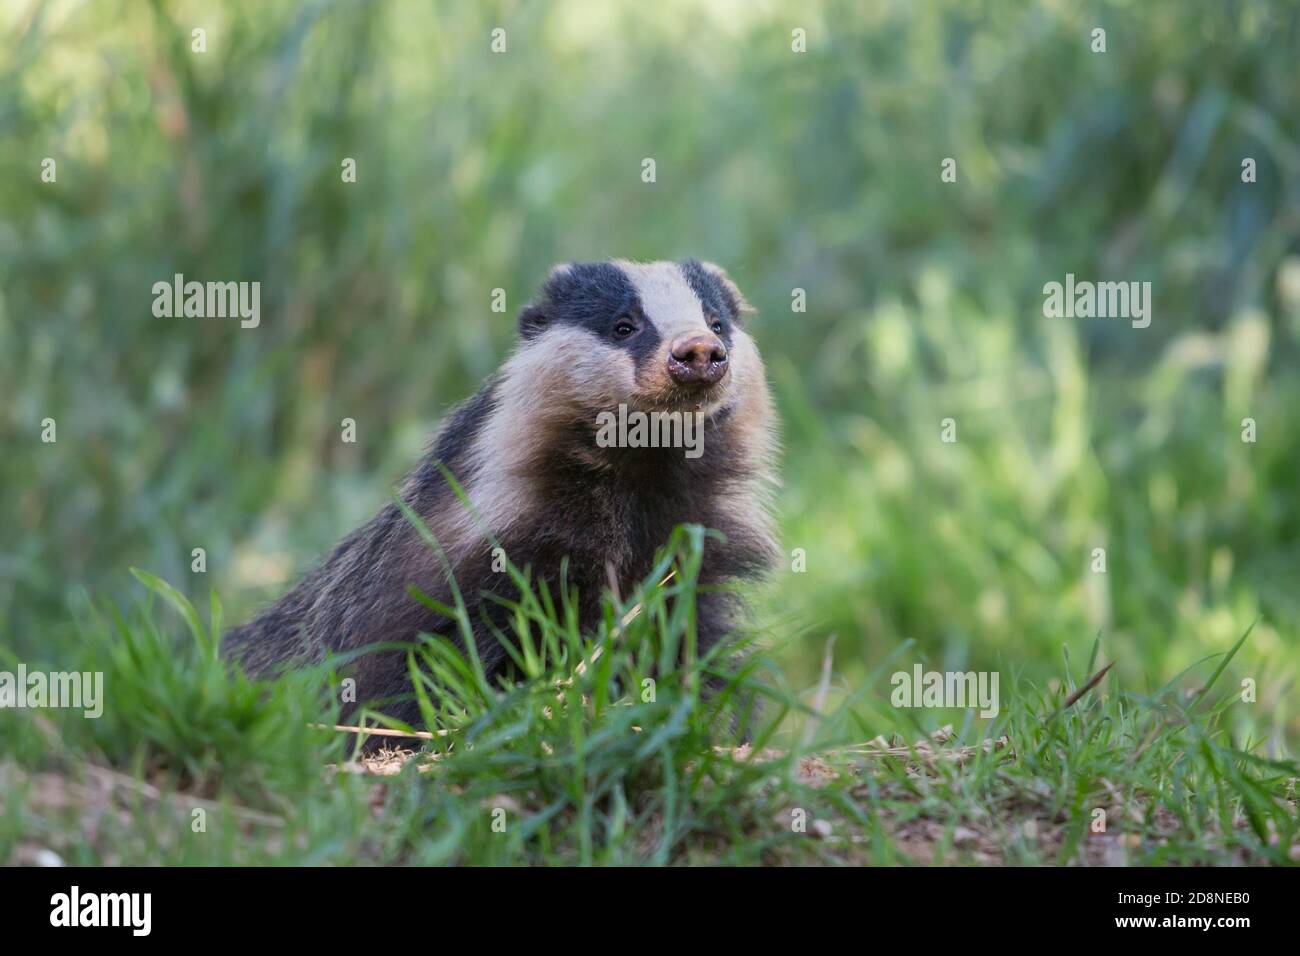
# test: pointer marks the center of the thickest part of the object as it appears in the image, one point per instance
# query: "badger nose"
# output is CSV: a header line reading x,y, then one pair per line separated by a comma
x,y
697,360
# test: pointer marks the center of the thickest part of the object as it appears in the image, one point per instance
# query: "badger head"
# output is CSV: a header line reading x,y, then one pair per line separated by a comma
x,y
658,336
661,337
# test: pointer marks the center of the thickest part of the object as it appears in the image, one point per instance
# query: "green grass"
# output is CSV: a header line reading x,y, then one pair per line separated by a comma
x,y
593,765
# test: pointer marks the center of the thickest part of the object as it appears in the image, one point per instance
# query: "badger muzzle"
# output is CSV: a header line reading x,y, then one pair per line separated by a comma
x,y
697,361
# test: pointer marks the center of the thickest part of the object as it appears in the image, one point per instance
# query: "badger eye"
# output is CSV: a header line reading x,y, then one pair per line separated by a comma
x,y
717,328
624,328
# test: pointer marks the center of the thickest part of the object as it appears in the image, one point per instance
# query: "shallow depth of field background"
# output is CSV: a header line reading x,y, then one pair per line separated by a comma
x,y
818,171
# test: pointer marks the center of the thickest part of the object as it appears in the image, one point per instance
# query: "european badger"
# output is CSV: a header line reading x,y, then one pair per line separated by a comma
x,y
656,337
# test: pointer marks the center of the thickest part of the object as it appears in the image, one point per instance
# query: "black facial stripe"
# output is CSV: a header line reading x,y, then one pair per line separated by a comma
x,y
590,295
710,290
646,344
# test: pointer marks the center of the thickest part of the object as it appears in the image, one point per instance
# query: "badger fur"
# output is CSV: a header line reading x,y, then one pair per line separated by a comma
x,y
655,337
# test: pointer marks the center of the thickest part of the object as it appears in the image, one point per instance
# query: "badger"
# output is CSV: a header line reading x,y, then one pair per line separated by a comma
x,y
546,485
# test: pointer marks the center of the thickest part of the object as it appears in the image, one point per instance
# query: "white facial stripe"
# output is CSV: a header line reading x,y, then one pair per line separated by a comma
x,y
744,361
666,296
561,368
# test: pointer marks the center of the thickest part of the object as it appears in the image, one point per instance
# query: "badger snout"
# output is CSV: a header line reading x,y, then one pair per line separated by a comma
x,y
699,360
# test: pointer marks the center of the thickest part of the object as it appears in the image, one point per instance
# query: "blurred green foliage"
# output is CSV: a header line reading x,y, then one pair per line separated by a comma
x,y
817,171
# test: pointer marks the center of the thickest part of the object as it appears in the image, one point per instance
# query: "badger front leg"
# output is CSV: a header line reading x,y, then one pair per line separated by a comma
x,y
717,618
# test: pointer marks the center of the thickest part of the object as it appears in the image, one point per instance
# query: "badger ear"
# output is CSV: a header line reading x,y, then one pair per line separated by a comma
x,y
532,321
739,304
